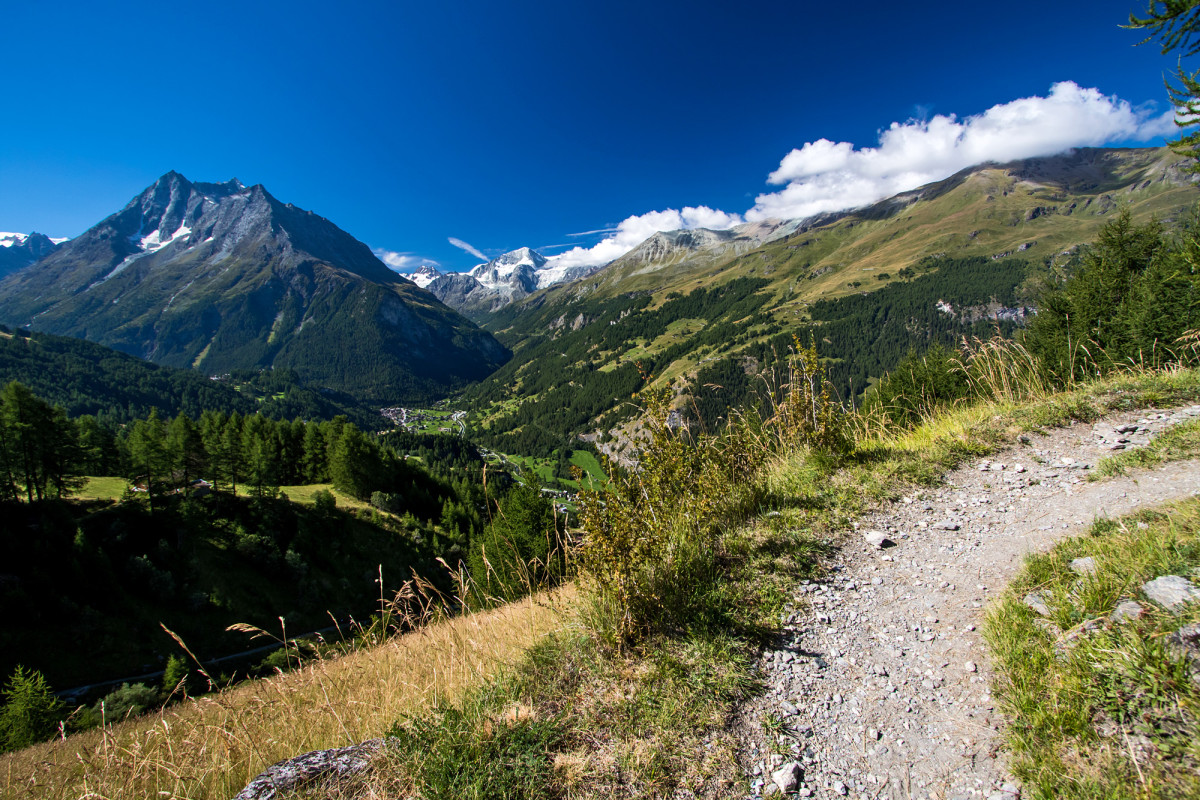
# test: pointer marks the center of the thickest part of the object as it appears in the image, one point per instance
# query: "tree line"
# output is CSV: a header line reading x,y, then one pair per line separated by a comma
x,y
1128,300
86,378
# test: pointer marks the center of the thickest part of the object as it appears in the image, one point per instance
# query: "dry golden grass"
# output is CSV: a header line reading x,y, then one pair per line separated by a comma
x,y
212,746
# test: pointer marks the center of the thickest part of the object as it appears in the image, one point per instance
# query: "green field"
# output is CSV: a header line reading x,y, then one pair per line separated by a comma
x,y
110,488
543,468
102,488
586,461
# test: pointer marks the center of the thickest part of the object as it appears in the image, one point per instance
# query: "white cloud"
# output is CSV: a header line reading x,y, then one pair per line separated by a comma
x,y
825,176
593,233
460,244
401,262
637,229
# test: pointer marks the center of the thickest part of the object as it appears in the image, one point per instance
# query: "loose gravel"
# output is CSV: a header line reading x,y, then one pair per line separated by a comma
x,y
881,677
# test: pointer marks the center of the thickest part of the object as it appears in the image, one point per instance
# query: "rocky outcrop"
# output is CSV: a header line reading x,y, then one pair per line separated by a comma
x,y
284,778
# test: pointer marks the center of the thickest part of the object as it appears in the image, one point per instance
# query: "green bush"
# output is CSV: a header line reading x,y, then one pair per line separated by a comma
x,y
175,674
521,550
654,537
919,385
128,701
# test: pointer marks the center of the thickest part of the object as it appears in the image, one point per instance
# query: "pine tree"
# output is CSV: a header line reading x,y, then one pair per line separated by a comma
x,y
148,453
31,711
1176,26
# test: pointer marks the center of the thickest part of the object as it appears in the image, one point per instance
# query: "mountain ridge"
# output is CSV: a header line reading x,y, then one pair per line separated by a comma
x,y
20,250
220,276
708,314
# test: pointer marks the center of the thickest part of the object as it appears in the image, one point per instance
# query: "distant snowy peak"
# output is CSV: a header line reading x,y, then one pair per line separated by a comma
x,y
520,257
424,275
18,239
524,271
511,269
512,272
512,276
554,273
19,250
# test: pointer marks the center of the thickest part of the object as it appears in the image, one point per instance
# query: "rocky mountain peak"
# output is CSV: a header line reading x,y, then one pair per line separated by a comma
x,y
424,275
19,250
218,276
522,255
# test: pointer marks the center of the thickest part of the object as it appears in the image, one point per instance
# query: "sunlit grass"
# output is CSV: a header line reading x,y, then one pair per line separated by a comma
x,y
1100,708
102,488
1177,442
212,746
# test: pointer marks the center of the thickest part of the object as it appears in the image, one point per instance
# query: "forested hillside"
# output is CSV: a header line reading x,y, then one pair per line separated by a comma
x,y
576,377
204,536
89,379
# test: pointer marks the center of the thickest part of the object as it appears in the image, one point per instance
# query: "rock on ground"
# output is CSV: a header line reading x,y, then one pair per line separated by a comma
x,y
286,777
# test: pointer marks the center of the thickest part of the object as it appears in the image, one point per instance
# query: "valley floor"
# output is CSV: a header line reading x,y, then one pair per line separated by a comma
x,y
879,686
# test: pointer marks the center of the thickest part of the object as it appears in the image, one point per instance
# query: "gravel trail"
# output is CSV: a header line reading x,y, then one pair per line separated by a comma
x,y
881,676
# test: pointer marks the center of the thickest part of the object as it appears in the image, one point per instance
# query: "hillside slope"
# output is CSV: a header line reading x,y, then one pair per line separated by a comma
x,y
87,378
709,310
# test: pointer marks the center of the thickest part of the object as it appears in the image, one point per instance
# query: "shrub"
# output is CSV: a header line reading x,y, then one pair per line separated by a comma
x,y
808,414
128,701
521,550
652,540
917,386
324,501
175,674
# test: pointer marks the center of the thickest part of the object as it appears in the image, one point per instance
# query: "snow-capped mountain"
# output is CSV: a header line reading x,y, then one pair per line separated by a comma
x,y
424,275
511,272
19,250
491,286
527,269
18,239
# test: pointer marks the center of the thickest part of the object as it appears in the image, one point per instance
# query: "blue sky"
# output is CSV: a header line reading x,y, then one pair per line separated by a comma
x,y
515,124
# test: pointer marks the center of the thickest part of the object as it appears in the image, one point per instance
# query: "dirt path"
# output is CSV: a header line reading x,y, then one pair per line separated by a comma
x,y
882,678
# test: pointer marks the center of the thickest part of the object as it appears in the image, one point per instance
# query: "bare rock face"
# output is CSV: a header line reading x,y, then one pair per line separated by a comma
x,y
319,765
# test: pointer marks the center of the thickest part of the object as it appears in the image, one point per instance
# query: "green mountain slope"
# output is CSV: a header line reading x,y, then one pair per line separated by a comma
x,y
710,310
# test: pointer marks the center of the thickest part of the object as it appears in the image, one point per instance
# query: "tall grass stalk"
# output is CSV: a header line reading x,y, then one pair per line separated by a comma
x,y
1003,370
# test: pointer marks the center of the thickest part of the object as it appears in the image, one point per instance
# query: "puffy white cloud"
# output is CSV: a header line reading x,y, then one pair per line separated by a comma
x,y
460,244
401,262
826,176
634,230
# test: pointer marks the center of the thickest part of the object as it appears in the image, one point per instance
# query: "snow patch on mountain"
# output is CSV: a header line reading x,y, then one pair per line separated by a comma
x,y
9,239
154,240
